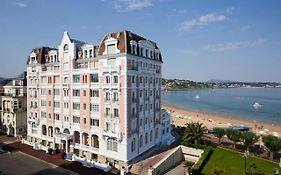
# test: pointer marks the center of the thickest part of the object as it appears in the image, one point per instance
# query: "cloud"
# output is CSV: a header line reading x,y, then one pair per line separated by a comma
x,y
230,9
21,5
233,45
130,5
190,52
201,21
245,28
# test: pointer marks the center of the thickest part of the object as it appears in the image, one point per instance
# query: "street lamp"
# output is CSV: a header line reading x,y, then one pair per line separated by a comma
x,y
246,154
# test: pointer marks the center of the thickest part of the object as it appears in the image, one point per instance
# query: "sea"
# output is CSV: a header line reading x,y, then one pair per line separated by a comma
x,y
253,104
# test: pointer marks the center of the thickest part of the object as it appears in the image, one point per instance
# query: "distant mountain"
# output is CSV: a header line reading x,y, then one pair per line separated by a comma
x,y
1,80
220,81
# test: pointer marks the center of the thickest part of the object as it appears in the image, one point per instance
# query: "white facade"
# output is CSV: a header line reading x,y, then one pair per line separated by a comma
x,y
99,102
13,107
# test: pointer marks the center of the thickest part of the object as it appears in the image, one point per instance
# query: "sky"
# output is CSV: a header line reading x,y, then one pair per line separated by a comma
x,y
199,40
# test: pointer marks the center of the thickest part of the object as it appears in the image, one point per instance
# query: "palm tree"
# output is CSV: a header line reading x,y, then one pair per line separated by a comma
x,y
219,133
272,143
234,136
194,132
249,139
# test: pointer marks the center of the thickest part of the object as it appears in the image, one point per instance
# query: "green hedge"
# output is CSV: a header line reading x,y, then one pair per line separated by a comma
x,y
198,146
198,167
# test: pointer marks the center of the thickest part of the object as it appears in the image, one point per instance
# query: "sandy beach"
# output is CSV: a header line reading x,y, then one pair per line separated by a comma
x,y
181,116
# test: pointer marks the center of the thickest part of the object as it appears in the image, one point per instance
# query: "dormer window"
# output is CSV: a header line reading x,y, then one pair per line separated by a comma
x,y
65,47
85,53
111,49
111,46
91,53
33,59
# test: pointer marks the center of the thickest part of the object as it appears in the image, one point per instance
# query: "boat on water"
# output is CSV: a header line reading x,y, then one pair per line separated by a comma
x,y
256,105
197,97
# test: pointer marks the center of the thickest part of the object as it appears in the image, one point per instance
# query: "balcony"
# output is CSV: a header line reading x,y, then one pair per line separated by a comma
x,y
114,69
33,119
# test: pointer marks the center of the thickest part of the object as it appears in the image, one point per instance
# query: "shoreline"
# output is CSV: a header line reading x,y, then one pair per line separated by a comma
x,y
180,116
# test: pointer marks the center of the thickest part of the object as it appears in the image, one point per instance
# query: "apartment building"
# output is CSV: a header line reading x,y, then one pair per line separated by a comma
x,y
13,106
100,102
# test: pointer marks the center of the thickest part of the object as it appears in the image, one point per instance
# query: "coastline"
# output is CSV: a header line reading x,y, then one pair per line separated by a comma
x,y
210,120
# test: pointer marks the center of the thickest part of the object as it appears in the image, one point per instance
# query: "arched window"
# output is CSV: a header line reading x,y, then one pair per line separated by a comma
x,y
65,47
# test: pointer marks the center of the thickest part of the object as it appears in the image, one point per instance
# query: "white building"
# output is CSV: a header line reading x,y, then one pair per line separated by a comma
x,y
99,102
13,106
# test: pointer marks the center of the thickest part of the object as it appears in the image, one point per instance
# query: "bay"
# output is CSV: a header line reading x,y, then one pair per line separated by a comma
x,y
253,104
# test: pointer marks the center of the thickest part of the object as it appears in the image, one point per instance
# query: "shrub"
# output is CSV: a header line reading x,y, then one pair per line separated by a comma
x,y
198,167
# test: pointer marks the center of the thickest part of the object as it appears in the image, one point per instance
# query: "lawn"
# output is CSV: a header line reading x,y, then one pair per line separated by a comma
x,y
233,163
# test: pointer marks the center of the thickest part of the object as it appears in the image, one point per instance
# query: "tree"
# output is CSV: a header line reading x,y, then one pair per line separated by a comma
x,y
234,136
194,132
219,133
249,139
272,143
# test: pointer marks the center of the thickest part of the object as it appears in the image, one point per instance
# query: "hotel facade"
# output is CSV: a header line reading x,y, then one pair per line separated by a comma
x,y
99,102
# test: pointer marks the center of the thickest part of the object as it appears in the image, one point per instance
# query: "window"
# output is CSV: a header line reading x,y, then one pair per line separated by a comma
x,y
111,49
94,107
85,93
115,79
43,103
115,96
43,114
107,79
94,78
107,111
133,145
94,93
150,136
57,116
115,112
66,118
107,96
85,53
91,53
43,91
84,121
65,92
50,103
76,106
76,92
65,105
56,104
112,144
146,138
107,126
65,47
133,79
140,79
43,80
56,92
94,122
76,119
84,106
141,141
65,80
76,78
140,93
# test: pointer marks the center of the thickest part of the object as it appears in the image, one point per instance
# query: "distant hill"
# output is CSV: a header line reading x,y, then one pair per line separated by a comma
x,y
1,80
220,81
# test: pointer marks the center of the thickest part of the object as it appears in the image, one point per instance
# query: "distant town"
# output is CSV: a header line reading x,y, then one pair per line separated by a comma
x,y
174,84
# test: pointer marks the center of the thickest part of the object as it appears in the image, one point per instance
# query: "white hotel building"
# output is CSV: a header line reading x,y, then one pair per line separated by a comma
x,y
99,102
